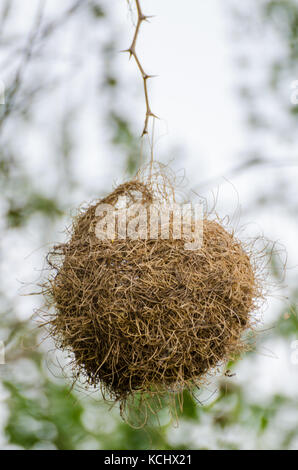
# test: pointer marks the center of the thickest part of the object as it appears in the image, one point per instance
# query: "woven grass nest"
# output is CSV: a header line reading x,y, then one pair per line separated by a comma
x,y
148,316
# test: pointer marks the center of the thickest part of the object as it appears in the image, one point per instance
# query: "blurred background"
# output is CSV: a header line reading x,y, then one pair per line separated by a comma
x,y
227,99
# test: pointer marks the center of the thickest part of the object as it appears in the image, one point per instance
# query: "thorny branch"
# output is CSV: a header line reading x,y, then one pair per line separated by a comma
x,y
132,52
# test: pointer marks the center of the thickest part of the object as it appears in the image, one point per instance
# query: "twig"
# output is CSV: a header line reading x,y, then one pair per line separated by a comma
x,y
4,14
37,34
11,98
132,52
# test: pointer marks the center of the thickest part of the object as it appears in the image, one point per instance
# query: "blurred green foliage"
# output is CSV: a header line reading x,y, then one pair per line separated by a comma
x,y
56,418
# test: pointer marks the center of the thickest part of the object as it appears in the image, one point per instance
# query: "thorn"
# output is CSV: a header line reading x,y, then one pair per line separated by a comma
x,y
146,77
152,115
130,51
146,17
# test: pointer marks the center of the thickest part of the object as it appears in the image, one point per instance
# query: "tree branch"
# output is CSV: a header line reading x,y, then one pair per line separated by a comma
x,y
132,52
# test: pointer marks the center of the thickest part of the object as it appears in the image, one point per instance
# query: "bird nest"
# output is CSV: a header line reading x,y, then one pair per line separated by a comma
x,y
143,315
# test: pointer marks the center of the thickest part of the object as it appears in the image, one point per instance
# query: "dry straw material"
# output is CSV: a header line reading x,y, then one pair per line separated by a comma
x,y
149,316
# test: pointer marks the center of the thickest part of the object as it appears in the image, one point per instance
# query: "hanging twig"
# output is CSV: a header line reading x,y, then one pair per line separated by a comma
x,y
132,52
